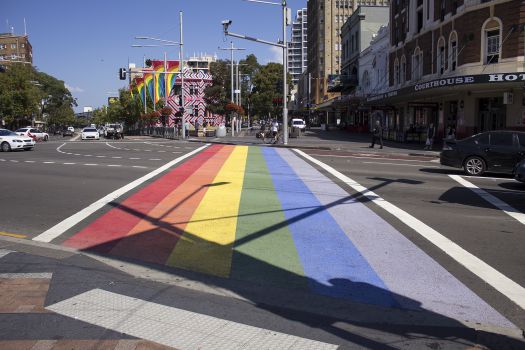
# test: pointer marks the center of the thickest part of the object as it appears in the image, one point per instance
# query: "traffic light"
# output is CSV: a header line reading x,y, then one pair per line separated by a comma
x,y
122,73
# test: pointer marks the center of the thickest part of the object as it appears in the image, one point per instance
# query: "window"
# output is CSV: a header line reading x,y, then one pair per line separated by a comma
x,y
417,64
501,139
453,52
366,81
492,42
396,72
441,56
403,70
13,46
3,46
419,20
22,45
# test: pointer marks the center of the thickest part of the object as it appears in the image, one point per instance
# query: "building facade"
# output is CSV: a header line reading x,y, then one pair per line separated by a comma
x,y
297,46
325,21
456,64
15,48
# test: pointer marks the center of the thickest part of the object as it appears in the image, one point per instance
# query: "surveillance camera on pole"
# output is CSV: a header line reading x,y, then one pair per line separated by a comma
x,y
225,24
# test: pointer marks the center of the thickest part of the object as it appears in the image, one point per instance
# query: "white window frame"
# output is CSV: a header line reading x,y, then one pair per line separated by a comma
x,y
485,42
417,69
403,70
441,56
453,52
396,72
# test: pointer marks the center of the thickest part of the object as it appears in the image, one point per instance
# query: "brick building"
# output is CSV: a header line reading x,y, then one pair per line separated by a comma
x,y
458,64
15,48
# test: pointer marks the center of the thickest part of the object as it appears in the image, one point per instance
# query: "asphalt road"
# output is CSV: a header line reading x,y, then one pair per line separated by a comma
x,y
42,188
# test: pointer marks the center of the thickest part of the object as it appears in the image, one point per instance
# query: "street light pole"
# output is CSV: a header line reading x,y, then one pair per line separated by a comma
x,y
231,48
285,84
284,45
182,79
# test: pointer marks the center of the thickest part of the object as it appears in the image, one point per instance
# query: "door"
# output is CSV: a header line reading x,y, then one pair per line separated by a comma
x,y
502,153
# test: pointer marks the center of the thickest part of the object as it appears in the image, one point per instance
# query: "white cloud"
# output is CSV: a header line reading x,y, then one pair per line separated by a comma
x,y
277,55
73,88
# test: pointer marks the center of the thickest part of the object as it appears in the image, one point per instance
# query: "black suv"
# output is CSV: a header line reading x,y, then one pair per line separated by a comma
x,y
494,151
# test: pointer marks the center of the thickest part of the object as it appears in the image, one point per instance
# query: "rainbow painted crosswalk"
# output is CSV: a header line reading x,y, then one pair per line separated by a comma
x,y
267,216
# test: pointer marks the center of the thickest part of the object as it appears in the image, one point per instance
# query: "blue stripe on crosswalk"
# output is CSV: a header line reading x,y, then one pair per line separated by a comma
x,y
331,262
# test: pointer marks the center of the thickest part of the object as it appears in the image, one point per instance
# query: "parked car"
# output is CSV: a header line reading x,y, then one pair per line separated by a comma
x,y
34,133
10,141
68,132
494,151
519,171
299,124
90,134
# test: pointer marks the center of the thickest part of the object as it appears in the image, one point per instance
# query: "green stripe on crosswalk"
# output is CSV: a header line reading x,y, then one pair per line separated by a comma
x,y
264,251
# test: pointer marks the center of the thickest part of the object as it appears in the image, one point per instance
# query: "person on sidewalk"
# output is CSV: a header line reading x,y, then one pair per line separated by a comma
x,y
431,132
377,134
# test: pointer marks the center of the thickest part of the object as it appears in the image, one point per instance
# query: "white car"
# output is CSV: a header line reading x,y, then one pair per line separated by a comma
x,y
299,124
90,134
34,133
10,141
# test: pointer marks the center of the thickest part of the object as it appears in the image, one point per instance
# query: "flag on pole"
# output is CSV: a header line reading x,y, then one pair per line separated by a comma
x,y
173,69
148,83
158,66
139,83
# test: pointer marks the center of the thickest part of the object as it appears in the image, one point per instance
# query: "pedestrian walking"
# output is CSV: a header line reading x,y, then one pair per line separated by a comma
x,y
431,132
204,125
377,134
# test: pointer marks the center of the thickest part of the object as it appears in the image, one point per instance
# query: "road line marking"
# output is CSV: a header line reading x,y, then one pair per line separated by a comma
x,y
59,147
89,164
426,166
63,226
495,201
4,252
14,161
101,156
174,327
45,275
48,162
107,144
88,155
2,160
76,154
29,161
154,159
16,235
134,158
70,163
116,157
176,152
492,178
487,273
114,165
373,157
139,166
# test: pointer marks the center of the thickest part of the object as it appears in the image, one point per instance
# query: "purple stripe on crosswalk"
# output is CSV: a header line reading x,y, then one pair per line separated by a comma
x,y
417,280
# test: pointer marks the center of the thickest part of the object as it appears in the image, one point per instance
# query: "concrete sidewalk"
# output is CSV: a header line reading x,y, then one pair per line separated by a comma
x,y
336,140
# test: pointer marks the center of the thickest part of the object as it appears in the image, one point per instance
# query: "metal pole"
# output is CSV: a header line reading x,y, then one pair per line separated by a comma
x,y
144,85
237,82
231,58
182,79
285,85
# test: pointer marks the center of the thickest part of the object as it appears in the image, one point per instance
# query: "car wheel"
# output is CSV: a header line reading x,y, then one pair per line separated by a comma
x,y
474,166
46,138
5,147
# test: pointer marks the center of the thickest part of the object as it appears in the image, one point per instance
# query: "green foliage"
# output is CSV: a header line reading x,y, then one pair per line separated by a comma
x,y
266,90
25,92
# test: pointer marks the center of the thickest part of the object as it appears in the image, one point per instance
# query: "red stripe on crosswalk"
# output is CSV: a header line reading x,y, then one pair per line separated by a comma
x,y
105,232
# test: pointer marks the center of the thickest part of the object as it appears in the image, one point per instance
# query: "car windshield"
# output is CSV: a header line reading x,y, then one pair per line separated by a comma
x,y
7,133
21,130
298,122
90,130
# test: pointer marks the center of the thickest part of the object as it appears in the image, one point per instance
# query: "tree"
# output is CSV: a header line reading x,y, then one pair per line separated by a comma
x,y
215,95
266,90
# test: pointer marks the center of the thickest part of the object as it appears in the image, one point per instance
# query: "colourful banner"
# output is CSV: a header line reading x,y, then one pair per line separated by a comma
x,y
158,67
173,69
148,82
139,85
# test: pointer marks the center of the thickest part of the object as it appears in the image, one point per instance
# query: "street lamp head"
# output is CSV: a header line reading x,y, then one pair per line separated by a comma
x,y
225,24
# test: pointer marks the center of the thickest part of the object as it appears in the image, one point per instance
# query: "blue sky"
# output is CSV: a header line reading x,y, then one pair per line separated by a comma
x,y
84,43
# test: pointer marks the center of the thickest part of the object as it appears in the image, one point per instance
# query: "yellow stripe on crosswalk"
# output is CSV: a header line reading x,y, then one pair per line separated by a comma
x,y
206,246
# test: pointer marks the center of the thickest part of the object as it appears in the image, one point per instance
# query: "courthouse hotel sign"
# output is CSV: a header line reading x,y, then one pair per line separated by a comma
x,y
453,81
